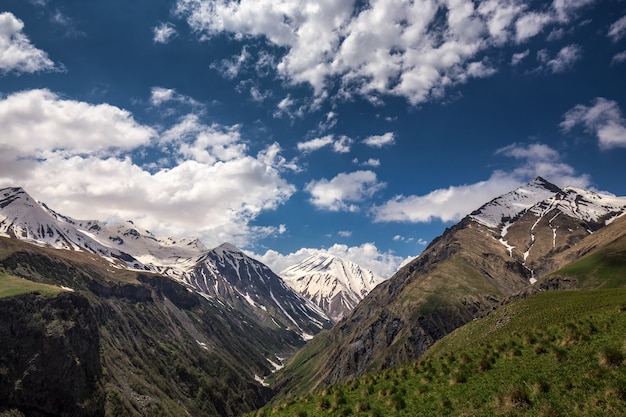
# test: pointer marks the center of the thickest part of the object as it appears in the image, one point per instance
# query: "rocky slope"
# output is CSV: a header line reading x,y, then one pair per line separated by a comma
x,y
120,342
335,285
487,257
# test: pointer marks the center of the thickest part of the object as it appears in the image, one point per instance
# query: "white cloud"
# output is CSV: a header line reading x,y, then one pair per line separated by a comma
x,y
16,52
379,141
212,188
164,33
339,193
519,57
415,50
257,95
367,255
344,233
564,59
160,95
37,123
531,24
604,118
340,145
566,8
618,58
315,144
618,29
369,163
455,202
230,68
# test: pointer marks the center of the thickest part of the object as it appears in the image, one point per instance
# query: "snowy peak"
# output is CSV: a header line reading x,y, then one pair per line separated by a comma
x,y
246,284
510,205
589,206
23,218
227,249
334,284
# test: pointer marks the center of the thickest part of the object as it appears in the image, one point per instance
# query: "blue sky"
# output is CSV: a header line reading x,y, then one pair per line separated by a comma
x,y
288,127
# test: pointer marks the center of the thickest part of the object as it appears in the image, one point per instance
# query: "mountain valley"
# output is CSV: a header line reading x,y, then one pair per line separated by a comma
x,y
143,325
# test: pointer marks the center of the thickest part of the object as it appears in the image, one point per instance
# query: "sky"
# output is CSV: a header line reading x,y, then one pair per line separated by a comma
x,y
292,127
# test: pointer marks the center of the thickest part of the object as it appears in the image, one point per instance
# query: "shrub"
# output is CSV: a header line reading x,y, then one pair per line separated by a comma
x,y
324,404
362,406
514,397
611,357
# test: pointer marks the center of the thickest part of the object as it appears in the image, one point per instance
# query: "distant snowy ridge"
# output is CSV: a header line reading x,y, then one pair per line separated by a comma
x,y
334,284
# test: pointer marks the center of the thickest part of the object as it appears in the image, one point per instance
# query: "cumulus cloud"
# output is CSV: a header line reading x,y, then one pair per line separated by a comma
x,y
416,50
341,192
212,187
17,54
603,118
564,59
315,144
340,144
37,123
618,58
617,29
164,32
367,255
519,57
379,141
455,202
372,162
160,96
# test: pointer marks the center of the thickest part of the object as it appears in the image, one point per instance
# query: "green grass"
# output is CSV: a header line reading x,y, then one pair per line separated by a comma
x,y
556,353
11,286
605,268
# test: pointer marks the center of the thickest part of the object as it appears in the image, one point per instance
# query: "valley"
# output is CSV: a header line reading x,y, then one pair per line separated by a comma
x,y
144,325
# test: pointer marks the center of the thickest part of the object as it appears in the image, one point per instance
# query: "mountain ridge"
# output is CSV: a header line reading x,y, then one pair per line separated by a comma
x,y
213,272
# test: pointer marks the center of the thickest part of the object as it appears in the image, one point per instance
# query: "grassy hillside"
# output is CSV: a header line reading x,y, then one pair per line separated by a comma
x,y
555,353
11,285
603,268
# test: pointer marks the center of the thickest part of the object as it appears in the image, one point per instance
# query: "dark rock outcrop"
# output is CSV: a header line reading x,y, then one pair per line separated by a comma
x,y
50,356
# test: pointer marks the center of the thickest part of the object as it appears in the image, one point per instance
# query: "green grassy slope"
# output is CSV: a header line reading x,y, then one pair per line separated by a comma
x,y
555,353
11,285
602,268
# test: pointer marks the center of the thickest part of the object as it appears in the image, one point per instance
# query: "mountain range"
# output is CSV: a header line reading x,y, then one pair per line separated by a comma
x,y
224,273
139,324
505,248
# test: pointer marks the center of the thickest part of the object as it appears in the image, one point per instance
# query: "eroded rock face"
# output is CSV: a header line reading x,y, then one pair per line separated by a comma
x,y
50,356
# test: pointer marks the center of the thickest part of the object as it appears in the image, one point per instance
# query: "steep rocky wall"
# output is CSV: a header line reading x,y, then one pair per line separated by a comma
x,y
50,356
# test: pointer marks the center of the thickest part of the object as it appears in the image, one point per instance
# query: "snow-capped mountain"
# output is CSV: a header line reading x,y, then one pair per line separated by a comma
x,y
246,284
23,218
224,273
508,206
539,219
336,285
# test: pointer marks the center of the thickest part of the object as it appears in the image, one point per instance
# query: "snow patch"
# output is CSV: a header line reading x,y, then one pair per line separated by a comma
x,y
261,380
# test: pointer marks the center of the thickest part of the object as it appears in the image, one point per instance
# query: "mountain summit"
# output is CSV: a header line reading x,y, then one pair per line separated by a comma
x,y
336,285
